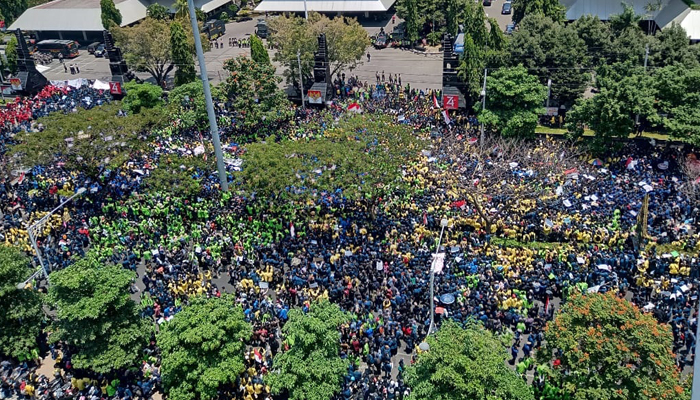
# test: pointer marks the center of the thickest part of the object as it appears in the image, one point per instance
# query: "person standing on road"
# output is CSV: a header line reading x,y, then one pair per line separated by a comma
x,y
368,57
65,68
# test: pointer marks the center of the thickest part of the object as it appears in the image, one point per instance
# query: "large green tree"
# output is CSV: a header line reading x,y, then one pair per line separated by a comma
x,y
608,349
88,139
181,54
672,47
312,368
547,8
142,96
258,52
347,43
514,100
624,92
597,36
96,316
465,363
157,11
11,54
553,51
110,14
361,154
147,46
253,89
677,96
21,317
202,348
187,103
11,9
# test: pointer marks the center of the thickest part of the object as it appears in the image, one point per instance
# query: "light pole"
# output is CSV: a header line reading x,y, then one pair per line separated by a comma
x,y
695,391
213,126
443,224
41,222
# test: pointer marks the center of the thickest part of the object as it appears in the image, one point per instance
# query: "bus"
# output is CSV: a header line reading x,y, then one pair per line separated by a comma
x,y
69,48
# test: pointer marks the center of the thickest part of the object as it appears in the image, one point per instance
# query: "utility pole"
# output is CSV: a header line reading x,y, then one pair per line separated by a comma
x,y
695,391
646,59
213,126
306,13
483,104
549,91
301,79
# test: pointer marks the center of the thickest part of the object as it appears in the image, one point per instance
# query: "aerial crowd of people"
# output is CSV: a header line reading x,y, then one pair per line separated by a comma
x,y
372,257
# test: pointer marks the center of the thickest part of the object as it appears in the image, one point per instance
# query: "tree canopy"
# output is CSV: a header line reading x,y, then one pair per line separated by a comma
x,y
514,100
361,155
253,89
182,55
347,42
465,363
87,139
187,103
202,348
142,96
96,316
547,8
110,15
157,11
21,317
312,368
608,349
258,52
624,92
148,48
551,50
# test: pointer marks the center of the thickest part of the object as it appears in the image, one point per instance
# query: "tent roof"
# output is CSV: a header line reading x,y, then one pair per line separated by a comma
x,y
85,15
576,9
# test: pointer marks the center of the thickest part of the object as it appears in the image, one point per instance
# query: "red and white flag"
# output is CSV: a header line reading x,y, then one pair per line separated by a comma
x,y
258,356
435,102
447,116
354,107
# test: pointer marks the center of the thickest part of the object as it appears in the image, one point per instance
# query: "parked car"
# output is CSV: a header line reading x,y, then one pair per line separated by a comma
x,y
100,51
93,46
487,3
510,28
507,8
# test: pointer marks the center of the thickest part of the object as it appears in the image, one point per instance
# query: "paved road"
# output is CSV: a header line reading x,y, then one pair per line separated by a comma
x,y
422,71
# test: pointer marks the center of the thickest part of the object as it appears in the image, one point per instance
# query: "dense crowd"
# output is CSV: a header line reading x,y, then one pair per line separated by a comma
x,y
370,257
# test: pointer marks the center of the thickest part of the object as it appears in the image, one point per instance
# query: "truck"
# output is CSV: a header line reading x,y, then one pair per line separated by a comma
x,y
214,28
261,29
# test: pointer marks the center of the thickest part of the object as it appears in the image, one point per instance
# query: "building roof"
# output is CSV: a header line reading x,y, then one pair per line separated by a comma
x,y
576,9
691,23
85,15
342,6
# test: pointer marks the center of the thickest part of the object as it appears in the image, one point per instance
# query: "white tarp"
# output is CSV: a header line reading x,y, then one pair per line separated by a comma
x,y
99,85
